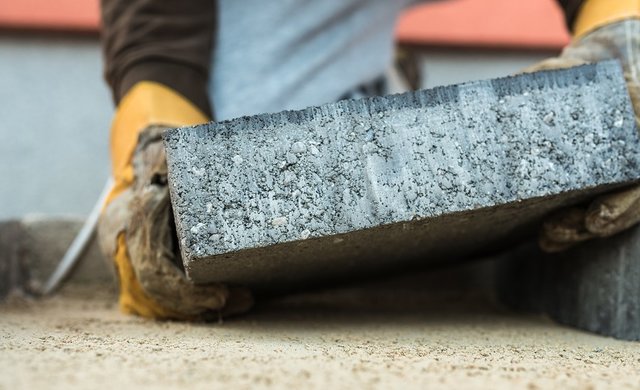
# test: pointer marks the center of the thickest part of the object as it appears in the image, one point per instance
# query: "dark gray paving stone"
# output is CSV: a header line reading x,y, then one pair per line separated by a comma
x,y
31,248
595,286
13,272
367,186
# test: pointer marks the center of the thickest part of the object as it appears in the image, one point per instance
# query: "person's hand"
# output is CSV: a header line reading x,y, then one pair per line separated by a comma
x,y
618,39
136,228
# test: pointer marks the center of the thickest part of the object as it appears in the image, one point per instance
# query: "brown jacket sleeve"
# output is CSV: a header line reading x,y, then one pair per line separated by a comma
x,y
167,41
571,8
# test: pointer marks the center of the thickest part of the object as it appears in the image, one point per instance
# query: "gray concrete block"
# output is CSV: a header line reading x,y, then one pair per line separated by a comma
x,y
31,248
13,272
371,185
595,286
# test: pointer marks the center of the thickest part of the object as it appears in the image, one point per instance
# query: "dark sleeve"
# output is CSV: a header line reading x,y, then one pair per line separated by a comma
x,y
570,8
167,41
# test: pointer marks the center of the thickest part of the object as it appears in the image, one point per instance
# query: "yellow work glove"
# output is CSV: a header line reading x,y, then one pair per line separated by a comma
x,y
604,29
136,226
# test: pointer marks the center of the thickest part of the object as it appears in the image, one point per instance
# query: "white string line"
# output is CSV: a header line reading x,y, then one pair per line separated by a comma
x,y
77,247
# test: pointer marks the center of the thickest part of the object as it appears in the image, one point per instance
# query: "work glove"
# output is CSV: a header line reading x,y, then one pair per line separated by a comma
x,y
136,228
604,30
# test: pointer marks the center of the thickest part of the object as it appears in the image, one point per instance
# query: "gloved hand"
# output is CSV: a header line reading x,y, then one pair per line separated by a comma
x,y
604,30
136,227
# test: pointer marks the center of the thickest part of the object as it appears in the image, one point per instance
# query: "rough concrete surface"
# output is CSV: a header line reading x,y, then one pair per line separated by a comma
x,y
388,336
363,185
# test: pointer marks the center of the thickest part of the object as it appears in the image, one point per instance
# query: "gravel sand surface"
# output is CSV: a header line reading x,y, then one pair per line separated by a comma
x,y
350,338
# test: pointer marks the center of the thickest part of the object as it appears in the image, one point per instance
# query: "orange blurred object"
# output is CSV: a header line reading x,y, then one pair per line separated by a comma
x,y
65,15
508,24
520,24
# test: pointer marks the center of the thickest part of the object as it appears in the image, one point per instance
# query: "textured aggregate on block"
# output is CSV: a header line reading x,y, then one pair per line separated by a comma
x,y
362,186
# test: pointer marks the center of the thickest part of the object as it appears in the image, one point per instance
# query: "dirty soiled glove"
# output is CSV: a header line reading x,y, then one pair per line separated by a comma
x,y
604,30
136,227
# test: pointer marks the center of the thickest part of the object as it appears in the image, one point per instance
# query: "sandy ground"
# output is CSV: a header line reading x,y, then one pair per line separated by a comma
x,y
354,338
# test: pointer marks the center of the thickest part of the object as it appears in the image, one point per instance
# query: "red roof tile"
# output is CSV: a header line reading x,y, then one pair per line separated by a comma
x,y
528,24
70,15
